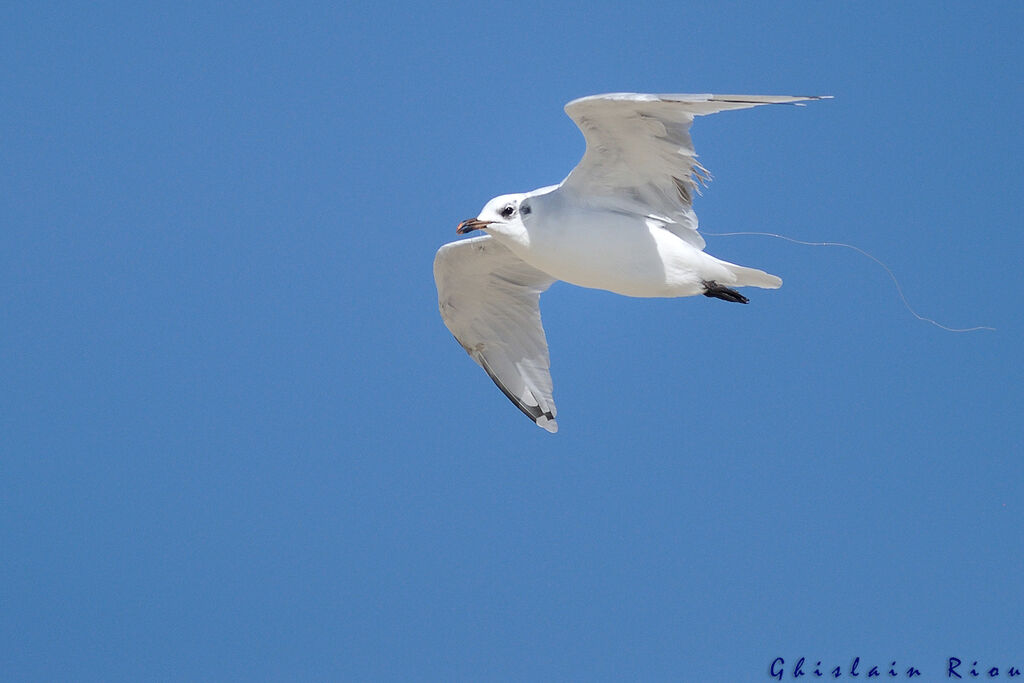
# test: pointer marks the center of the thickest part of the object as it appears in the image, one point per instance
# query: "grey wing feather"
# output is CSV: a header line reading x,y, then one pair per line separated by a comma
x,y
640,156
490,301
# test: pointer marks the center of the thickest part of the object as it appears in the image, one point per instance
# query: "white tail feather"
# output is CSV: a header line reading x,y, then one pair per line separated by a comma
x,y
752,277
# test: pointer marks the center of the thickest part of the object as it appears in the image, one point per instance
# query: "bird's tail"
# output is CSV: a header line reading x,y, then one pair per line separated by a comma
x,y
752,277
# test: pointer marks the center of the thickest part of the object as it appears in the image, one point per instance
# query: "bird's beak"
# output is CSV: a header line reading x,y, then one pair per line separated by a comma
x,y
471,224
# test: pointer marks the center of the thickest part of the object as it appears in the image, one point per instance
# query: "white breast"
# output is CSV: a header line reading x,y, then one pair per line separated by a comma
x,y
618,252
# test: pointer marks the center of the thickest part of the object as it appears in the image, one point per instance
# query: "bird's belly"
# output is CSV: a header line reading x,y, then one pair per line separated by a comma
x,y
638,262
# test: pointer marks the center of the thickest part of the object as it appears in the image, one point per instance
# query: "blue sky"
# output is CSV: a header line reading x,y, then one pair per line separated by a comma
x,y
237,442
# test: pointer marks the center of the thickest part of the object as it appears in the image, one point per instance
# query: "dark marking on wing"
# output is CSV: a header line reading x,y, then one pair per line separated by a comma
x,y
684,191
532,412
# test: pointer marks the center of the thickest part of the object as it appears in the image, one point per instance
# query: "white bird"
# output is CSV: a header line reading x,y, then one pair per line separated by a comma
x,y
621,221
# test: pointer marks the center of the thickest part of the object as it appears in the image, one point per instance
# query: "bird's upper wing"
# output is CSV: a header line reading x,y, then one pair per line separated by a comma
x,y
490,300
640,157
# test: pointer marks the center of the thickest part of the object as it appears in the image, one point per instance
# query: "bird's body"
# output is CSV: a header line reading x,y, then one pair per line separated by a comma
x,y
617,251
622,221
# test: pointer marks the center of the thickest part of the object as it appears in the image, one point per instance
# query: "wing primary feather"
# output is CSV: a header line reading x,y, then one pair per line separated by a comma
x,y
532,412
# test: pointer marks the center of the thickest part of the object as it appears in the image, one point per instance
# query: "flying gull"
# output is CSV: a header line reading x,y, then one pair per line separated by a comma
x,y
622,221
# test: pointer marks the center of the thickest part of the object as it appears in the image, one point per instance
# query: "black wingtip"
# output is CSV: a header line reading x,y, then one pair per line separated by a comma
x,y
533,412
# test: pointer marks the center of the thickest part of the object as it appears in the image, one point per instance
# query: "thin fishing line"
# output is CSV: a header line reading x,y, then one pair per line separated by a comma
x,y
870,256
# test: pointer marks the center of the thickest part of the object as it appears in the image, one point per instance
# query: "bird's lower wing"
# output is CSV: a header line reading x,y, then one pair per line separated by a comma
x,y
490,300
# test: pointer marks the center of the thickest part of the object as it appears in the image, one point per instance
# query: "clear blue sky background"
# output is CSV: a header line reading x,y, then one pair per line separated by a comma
x,y
237,442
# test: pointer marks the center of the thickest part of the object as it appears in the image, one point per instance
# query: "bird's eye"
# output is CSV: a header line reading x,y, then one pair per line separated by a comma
x,y
508,211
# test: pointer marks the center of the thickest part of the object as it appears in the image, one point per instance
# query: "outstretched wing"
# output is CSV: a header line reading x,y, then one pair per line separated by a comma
x,y
640,157
490,300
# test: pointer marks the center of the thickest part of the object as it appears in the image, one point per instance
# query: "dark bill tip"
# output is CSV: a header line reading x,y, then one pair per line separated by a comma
x,y
471,224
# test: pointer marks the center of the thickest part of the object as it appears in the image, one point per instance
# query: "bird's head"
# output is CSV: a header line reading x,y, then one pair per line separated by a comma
x,y
501,216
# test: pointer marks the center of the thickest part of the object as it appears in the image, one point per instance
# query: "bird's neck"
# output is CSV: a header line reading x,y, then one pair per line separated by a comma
x,y
518,242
